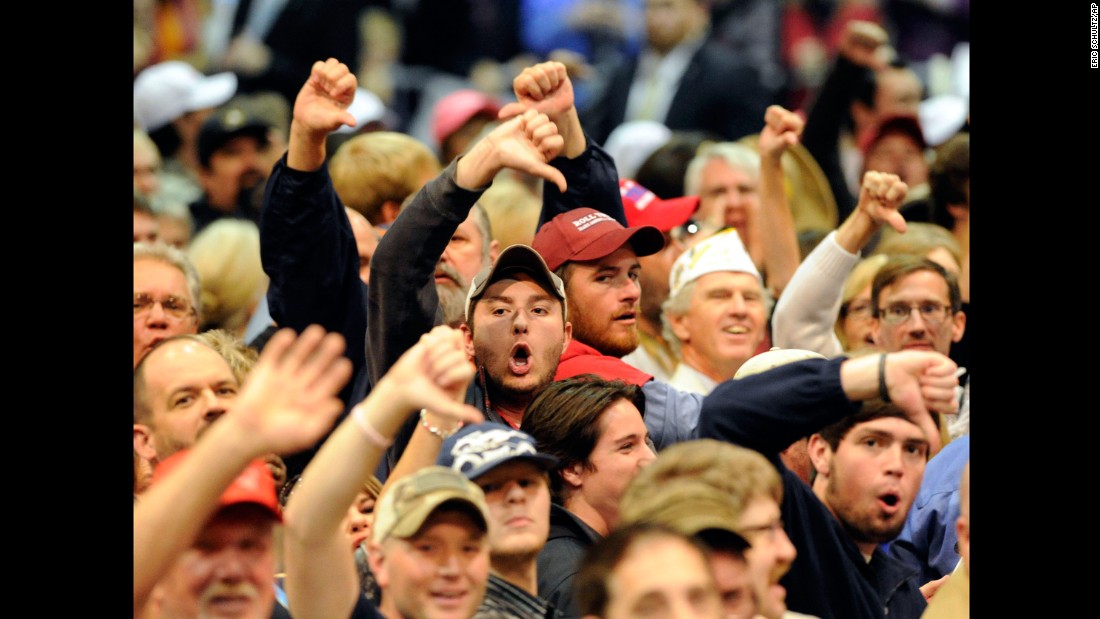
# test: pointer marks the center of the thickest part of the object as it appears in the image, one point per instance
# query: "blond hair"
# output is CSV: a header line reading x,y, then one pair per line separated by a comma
x,y
226,255
378,167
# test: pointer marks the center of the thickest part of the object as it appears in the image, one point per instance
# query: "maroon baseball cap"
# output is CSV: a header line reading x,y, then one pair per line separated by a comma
x,y
644,208
254,485
905,124
587,234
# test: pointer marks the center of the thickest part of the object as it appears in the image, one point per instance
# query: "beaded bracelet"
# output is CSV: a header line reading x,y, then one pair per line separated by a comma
x,y
442,434
882,391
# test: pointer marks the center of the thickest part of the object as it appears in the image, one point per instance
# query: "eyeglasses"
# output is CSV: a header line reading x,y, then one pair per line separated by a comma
x,y
856,309
173,306
686,232
897,313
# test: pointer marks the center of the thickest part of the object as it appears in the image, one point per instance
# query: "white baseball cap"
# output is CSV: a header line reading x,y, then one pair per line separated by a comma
x,y
170,89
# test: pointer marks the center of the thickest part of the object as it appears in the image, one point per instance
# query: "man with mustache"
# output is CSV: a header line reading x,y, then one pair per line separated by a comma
x,y
204,539
231,144
516,320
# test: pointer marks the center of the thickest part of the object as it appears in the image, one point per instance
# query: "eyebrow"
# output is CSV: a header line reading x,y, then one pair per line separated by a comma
x,y
192,388
889,435
536,298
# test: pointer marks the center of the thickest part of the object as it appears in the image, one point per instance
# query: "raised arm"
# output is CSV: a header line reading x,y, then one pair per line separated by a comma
x,y
775,224
322,580
805,314
288,402
589,170
307,246
403,300
863,47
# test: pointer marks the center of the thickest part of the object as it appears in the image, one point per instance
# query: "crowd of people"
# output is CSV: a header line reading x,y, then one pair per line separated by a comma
x,y
477,371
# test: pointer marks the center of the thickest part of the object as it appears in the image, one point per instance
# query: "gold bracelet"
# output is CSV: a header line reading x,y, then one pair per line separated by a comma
x,y
442,434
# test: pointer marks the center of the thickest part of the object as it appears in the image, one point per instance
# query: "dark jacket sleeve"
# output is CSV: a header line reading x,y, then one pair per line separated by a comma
x,y
768,411
308,250
826,117
402,300
592,180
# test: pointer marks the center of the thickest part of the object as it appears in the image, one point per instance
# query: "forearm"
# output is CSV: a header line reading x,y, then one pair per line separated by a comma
x,y
776,227
309,253
806,313
422,449
305,148
593,181
402,300
322,580
169,516
856,231
769,411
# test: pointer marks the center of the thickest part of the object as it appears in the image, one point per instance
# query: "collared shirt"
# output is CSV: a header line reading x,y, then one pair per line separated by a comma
x,y
657,79
687,378
503,600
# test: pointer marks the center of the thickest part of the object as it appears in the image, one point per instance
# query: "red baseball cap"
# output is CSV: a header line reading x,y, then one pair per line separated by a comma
x,y
644,208
457,108
254,485
905,124
587,234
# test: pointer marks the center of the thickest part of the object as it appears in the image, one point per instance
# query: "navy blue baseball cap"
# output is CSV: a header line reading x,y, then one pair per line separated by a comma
x,y
479,448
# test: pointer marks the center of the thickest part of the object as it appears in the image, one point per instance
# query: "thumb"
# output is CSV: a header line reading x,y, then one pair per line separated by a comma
x,y
441,404
511,110
345,118
896,220
550,173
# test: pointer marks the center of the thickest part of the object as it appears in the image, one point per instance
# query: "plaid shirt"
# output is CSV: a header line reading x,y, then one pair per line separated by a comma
x,y
503,600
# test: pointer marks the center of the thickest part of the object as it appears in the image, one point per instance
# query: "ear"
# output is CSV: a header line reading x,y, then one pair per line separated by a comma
x,y
573,474
467,340
862,115
958,325
568,337
679,328
376,558
143,442
389,211
494,250
959,212
821,455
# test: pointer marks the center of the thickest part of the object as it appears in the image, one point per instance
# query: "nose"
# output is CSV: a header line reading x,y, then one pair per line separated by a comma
x,y
648,455
519,322
894,459
156,316
231,565
215,408
450,565
632,291
785,550
737,305
515,493
358,521
916,322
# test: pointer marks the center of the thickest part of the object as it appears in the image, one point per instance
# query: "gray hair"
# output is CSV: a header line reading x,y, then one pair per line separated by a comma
x,y
676,305
735,154
679,304
169,255
481,218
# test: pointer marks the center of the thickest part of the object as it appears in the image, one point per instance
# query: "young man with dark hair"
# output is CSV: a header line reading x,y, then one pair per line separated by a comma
x,y
868,461
594,428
